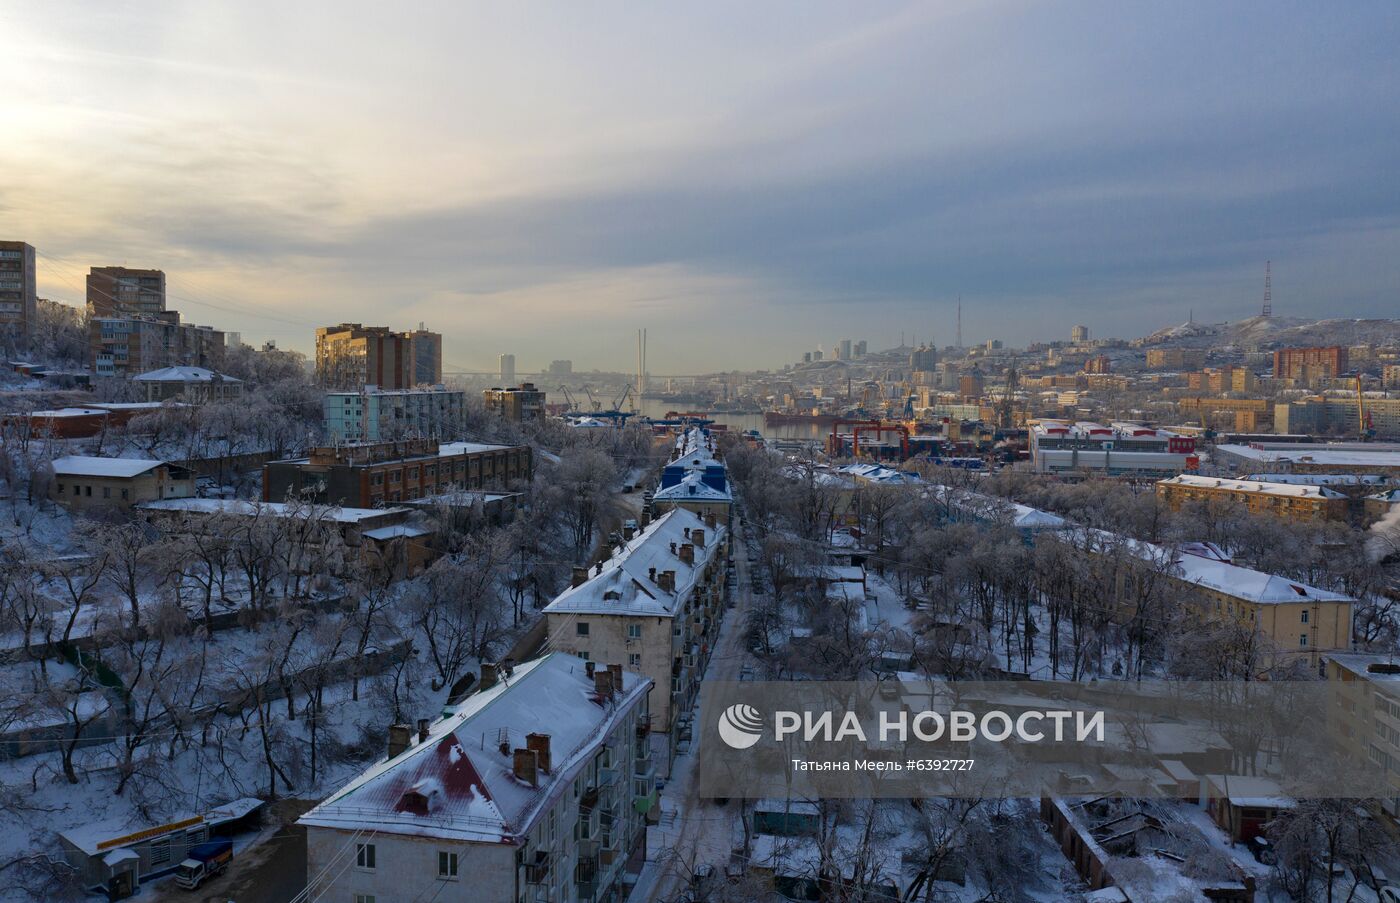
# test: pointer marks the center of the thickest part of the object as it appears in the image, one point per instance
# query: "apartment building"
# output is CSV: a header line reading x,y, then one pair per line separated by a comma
x,y
1243,415
83,483
1339,416
695,479
19,298
351,356
1296,619
1367,713
654,605
122,291
1312,457
517,403
1291,500
1219,380
1175,359
128,345
537,787
1307,365
375,415
375,474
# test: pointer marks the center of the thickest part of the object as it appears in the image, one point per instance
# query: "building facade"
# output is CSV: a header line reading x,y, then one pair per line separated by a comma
x,y
191,385
1367,714
1175,359
351,356
1293,501
376,415
84,483
537,787
117,291
506,364
1310,364
655,606
425,349
128,345
1118,449
375,474
517,403
19,297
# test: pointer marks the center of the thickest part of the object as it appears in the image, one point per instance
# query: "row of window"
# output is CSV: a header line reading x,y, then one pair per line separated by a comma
x,y
85,491
366,860
634,631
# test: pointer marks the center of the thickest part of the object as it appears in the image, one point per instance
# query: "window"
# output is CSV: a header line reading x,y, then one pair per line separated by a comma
x,y
583,654
125,494
1302,639
634,660
106,492
634,631
364,856
88,493
60,489
447,864
581,628
1305,617
364,898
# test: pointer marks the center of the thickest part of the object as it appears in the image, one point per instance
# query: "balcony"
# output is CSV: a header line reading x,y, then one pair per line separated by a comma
x,y
643,725
537,871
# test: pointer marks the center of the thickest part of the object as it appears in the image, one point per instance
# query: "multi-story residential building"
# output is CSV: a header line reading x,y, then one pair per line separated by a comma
x,y
1367,714
1390,376
1297,620
561,368
127,345
923,358
507,369
538,787
191,385
1219,380
351,356
1339,416
425,349
695,479
1293,501
1175,359
118,291
654,605
376,415
1118,449
83,483
1310,364
516,403
1245,415
1079,335
19,298
374,474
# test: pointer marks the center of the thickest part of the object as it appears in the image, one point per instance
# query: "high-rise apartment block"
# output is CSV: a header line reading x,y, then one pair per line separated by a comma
x,y
516,403
125,345
1079,335
1310,364
507,368
351,356
18,291
923,358
561,368
116,291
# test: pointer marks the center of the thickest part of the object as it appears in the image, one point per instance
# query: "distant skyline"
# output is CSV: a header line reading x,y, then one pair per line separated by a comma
x,y
746,181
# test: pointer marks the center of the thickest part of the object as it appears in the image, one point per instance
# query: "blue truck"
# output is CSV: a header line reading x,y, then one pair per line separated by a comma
x,y
204,861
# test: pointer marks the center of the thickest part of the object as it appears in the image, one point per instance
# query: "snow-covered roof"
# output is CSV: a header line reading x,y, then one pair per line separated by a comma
x,y
246,508
626,585
879,473
1292,490
119,468
1361,664
468,448
1319,479
93,837
183,375
395,532
1391,496
1320,454
993,508
458,785
692,488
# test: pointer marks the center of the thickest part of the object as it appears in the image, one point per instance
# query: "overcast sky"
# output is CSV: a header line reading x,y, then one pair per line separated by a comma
x,y
747,180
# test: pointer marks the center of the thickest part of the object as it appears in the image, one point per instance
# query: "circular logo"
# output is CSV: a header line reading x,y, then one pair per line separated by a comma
x,y
740,726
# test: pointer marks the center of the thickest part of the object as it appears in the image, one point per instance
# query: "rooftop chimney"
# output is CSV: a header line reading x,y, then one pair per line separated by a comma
x,y
687,532
603,684
539,745
651,574
527,766
645,518
697,537
580,576
616,672
422,730
710,519
589,668
667,581
627,533
400,737
488,676
673,548
687,553
599,569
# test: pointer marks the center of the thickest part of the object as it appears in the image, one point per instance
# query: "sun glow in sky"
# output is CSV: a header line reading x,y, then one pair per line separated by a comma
x,y
745,180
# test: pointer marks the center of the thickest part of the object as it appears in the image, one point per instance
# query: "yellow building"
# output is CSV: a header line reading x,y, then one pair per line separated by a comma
x,y
1367,713
1290,500
83,483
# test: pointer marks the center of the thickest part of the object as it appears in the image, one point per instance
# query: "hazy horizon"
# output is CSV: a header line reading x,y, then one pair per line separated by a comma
x,y
746,183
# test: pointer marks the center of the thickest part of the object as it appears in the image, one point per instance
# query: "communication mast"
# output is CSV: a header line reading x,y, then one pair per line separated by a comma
x,y
959,321
1268,290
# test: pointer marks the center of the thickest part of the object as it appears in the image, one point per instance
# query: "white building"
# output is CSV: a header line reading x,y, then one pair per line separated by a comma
x,y
537,787
655,606
1117,449
376,415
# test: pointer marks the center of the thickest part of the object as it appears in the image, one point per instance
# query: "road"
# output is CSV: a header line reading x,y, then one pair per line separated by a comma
x,y
272,871
693,836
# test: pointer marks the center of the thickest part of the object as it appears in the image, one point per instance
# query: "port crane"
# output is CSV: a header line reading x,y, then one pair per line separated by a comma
x,y
573,405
